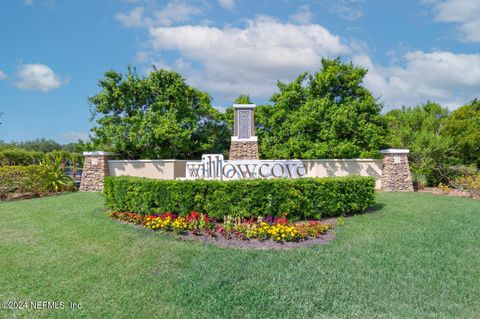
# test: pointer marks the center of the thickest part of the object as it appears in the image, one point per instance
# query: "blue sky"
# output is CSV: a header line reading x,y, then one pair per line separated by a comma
x,y
54,51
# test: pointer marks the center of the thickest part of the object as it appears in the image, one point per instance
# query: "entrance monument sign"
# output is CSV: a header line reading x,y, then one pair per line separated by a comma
x,y
391,174
244,162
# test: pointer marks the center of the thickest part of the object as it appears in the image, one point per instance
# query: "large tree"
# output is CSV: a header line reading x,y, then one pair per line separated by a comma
x,y
419,129
325,115
158,116
463,126
442,144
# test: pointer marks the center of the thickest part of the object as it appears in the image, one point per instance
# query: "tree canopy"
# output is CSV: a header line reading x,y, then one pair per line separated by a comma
x,y
419,129
442,144
42,145
463,127
243,99
158,116
325,115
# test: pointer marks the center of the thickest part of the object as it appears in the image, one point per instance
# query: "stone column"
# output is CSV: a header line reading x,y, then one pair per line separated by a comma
x,y
95,168
244,143
396,174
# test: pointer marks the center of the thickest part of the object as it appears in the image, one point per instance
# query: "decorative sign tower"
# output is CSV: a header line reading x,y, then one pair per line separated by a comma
x,y
244,144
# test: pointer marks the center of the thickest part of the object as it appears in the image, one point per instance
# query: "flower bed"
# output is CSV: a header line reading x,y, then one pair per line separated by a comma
x,y
278,229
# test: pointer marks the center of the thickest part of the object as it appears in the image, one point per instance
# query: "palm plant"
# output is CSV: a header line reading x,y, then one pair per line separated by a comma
x,y
54,178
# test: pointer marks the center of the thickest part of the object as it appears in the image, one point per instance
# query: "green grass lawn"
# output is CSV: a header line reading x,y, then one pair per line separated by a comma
x,y
417,256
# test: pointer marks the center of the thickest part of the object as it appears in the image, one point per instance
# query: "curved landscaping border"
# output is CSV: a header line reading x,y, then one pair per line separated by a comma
x,y
260,245
252,244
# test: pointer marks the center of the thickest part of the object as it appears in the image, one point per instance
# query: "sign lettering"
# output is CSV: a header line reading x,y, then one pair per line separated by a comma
x,y
213,166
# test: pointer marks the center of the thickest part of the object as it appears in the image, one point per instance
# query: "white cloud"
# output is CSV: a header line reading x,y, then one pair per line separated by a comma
x,y
69,137
3,75
347,9
176,12
142,57
131,19
465,13
46,3
303,15
37,77
227,4
444,77
173,12
227,61
250,59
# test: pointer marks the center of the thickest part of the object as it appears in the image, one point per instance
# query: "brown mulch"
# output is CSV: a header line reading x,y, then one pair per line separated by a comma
x,y
16,196
20,196
256,244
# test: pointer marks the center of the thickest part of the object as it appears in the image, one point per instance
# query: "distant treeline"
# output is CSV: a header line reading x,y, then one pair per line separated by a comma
x,y
43,145
19,157
41,151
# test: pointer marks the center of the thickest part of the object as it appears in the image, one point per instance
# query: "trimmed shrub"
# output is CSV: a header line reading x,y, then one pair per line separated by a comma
x,y
303,198
20,157
19,179
33,180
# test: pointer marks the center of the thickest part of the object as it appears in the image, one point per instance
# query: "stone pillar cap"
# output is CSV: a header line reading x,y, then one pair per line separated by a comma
x,y
235,106
98,153
395,151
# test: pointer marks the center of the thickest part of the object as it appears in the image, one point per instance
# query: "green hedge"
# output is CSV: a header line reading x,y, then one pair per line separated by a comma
x,y
19,179
20,157
304,198
33,180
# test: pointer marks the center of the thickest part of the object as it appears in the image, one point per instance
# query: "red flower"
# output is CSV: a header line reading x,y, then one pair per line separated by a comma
x,y
205,218
282,220
195,215
167,214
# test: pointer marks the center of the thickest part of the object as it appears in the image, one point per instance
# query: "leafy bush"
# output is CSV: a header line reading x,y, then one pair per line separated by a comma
x,y
53,177
20,157
16,157
442,144
31,180
19,179
470,183
304,198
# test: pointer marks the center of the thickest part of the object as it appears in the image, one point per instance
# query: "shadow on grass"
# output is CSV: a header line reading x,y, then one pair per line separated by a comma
x,y
372,209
